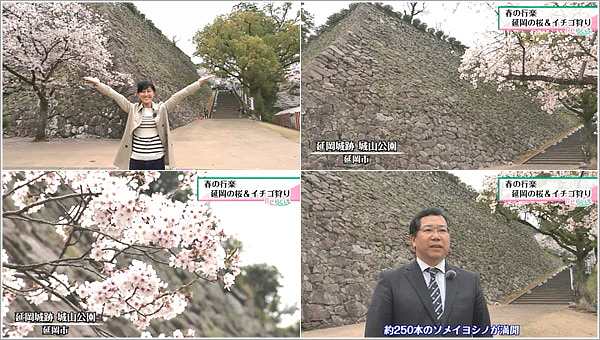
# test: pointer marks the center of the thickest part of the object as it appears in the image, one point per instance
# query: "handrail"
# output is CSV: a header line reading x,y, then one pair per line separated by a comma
x,y
213,104
571,277
244,108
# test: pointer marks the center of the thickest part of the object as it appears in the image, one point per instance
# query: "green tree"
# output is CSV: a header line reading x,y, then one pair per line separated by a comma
x,y
168,184
308,25
288,332
282,14
253,45
246,6
263,284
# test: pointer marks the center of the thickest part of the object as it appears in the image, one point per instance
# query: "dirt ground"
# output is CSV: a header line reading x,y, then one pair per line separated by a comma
x,y
203,144
534,320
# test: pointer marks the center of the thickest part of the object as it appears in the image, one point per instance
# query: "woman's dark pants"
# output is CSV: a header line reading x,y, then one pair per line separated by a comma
x,y
157,164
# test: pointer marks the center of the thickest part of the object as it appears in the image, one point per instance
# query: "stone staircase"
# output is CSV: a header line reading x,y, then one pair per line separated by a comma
x,y
555,291
227,106
567,151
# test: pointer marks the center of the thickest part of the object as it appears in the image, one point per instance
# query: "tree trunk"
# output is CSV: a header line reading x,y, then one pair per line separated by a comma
x,y
589,141
579,277
582,296
40,132
258,102
589,108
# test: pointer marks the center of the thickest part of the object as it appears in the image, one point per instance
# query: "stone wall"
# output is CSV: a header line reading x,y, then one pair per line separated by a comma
x,y
138,48
380,78
355,225
288,96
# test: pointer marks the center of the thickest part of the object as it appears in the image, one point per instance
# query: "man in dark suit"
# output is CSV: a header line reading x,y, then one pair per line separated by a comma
x,y
428,291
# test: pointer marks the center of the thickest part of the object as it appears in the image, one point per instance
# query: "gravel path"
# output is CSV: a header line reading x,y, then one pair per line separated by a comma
x,y
202,144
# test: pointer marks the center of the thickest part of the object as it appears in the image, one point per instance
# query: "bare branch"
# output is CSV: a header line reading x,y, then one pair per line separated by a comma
x,y
51,199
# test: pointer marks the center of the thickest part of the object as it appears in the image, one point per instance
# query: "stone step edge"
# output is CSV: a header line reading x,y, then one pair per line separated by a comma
x,y
527,156
540,280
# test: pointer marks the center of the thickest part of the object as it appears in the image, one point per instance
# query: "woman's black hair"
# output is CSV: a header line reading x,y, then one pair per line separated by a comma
x,y
144,84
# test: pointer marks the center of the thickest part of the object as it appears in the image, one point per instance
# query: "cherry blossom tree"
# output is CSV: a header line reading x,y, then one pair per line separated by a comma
x,y
558,68
49,45
572,228
116,232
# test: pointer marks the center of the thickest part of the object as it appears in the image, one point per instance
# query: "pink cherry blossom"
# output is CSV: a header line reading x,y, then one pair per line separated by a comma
x,y
11,282
43,39
557,66
119,215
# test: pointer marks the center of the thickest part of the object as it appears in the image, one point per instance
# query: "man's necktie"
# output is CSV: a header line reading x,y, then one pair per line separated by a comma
x,y
434,291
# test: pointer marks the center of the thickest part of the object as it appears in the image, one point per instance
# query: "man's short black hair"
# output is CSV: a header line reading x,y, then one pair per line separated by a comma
x,y
144,84
415,223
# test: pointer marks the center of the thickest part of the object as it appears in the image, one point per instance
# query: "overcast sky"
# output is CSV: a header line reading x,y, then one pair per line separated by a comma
x,y
473,178
269,235
183,19
462,20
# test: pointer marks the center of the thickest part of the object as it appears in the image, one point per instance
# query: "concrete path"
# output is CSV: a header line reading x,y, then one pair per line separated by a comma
x,y
534,320
203,144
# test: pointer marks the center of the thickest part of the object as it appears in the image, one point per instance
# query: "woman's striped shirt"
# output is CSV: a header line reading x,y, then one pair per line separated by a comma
x,y
146,142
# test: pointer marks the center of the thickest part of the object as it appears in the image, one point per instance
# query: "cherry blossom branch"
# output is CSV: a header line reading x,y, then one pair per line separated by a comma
x,y
64,248
16,74
506,215
36,220
586,51
21,292
51,291
82,267
114,221
189,284
99,331
586,80
51,199
115,239
520,41
10,192
140,248
80,207
25,267
569,107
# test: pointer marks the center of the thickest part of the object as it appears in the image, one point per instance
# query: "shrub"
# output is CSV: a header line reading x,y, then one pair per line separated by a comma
x,y
591,287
